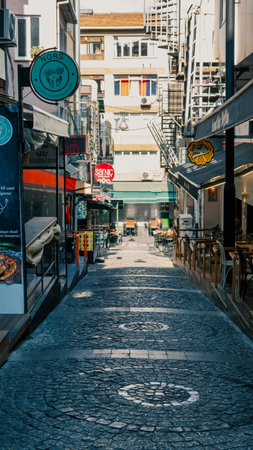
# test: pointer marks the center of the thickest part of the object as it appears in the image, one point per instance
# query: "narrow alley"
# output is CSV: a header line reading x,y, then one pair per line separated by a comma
x,y
135,357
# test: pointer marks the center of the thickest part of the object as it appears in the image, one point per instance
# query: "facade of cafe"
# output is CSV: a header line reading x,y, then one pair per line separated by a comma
x,y
38,262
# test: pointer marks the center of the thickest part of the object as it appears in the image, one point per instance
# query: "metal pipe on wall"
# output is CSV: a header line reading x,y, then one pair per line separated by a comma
x,y
229,188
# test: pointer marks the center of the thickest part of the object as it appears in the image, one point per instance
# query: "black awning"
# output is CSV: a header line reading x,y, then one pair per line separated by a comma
x,y
192,177
236,110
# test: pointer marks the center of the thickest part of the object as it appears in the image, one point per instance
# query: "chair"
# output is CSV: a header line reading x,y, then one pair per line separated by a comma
x,y
246,272
244,237
226,264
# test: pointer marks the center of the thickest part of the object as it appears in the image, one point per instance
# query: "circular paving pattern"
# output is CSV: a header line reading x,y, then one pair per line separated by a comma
x,y
157,395
144,326
210,399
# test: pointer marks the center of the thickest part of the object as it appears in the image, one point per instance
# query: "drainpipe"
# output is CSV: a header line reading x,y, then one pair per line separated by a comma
x,y
63,2
229,188
77,58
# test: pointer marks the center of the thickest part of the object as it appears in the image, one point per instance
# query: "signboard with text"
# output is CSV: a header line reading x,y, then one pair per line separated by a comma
x,y
54,75
104,173
75,145
200,152
11,246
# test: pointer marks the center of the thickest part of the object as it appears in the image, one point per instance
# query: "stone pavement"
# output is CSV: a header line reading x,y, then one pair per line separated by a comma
x,y
136,357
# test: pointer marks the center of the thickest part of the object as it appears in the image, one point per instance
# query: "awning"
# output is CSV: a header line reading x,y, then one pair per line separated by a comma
x,y
68,10
142,197
46,123
192,177
236,110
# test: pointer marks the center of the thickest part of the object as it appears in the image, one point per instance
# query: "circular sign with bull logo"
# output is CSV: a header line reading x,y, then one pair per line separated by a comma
x,y
54,75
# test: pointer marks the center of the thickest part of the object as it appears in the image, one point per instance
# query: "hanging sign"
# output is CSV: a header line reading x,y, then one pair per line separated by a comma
x,y
75,145
200,152
53,75
104,173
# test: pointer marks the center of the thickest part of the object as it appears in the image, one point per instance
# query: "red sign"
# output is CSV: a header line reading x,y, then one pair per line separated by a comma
x,y
104,173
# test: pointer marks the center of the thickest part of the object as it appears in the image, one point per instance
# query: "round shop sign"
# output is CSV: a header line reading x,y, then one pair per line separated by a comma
x,y
104,173
6,130
200,152
54,75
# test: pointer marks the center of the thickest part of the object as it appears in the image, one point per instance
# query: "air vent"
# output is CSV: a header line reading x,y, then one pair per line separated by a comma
x,y
7,28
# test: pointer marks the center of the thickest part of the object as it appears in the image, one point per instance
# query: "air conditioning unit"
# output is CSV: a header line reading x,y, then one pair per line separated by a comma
x,y
7,28
147,176
145,101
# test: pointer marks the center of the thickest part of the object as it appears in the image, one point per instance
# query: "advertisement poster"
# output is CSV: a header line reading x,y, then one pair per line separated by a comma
x,y
89,241
11,289
82,210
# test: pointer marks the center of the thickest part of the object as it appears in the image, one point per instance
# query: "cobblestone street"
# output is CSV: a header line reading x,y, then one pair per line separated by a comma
x,y
135,357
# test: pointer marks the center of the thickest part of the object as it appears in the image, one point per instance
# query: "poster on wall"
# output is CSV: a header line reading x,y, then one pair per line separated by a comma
x,y
90,241
82,210
11,258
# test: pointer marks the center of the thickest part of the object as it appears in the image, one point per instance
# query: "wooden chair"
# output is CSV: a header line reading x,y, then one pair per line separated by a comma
x,y
246,272
226,264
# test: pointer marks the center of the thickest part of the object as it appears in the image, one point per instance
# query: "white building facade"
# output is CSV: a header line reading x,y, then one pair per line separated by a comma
x,y
130,70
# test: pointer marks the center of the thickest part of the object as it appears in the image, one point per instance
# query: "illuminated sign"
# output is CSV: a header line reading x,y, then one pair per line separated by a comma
x,y
200,152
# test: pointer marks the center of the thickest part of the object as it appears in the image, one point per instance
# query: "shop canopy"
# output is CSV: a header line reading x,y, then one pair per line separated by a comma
x,y
236,110
191,177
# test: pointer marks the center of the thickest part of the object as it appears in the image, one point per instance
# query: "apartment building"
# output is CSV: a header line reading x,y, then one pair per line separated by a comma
x,y
194,35
129,70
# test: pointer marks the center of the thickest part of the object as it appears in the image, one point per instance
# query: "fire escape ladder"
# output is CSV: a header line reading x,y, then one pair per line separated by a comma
x,y
191,64
165,143
162,22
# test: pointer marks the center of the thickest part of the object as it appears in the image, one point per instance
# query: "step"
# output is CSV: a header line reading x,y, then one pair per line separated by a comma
x,y
4,346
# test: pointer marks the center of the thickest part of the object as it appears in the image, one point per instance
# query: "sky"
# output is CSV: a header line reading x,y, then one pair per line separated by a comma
x,y
106,6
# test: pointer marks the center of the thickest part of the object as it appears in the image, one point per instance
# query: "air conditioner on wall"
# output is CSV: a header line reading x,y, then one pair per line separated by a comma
x,y
7,28
146,176
145,101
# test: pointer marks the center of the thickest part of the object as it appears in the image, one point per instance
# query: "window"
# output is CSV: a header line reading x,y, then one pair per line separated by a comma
x,y
92,47
28,35
134,86
132,47
63,38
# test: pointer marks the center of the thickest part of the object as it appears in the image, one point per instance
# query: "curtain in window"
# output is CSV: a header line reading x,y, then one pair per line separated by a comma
x,y
144,87
124,88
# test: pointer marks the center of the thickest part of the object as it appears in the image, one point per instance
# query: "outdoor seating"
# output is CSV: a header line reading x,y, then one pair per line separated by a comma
x,y
226,264
246,271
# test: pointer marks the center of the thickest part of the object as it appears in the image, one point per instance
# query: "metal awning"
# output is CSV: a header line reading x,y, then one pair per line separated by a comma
x,y
236,110
68,10
46,122
192,177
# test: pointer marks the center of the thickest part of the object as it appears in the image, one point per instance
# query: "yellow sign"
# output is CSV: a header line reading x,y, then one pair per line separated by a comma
x,y
81,240
200,152
89,241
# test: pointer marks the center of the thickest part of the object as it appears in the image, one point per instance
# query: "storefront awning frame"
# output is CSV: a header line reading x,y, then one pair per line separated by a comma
x,y
45,122
236,110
